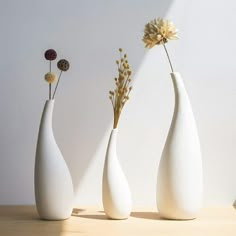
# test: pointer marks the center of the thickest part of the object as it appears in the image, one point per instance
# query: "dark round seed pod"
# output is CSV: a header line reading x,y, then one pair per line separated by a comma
x,y
63,65
50,54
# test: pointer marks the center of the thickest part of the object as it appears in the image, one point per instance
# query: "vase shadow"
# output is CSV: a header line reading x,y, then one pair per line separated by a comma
x,y
94,217
24,217
76,211
97,216
21,212
234,204
146,215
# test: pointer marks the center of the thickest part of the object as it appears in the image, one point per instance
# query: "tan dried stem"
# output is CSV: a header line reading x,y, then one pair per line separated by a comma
x,y
120,95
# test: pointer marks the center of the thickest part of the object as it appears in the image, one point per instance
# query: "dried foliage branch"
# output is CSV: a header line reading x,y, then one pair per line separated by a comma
x,y
120,95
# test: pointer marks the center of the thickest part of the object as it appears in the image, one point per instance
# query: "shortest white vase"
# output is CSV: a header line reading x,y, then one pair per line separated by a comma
x,y
116,194
53,184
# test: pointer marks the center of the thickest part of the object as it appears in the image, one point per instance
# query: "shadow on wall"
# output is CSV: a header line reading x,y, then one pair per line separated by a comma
x,y
88,34
105,28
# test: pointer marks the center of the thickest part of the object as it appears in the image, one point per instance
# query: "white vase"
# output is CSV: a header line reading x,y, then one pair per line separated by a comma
x,y
53,183
116,194
179,183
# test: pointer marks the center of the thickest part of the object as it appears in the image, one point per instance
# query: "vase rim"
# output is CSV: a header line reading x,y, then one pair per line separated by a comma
x,y
174,72
50,100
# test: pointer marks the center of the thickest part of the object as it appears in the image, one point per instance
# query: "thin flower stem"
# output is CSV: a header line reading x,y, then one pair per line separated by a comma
x,y
50,89
168,58
50,86
116,119
126,83
112,103
57,85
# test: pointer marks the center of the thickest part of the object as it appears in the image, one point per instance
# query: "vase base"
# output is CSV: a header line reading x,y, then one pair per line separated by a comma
x,y
54,219
117,218
177,217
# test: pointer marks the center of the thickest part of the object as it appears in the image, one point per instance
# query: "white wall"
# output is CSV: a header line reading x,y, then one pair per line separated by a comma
x,y
88,34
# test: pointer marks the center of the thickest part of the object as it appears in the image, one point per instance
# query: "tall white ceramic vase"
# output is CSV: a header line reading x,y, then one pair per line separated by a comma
x,y
116,194
53,184
179,183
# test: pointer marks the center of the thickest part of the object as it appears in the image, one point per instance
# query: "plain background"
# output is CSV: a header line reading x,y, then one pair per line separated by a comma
x,y
88,34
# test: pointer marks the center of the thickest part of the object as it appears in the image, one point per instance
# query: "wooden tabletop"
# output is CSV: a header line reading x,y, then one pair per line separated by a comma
x,y
24,221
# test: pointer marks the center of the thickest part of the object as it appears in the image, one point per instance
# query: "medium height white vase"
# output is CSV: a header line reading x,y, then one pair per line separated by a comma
x,y
116,194
53,185
179,183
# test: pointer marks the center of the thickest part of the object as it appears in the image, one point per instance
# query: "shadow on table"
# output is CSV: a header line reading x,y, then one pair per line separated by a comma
x,y
101,215
76,212
94,217
147,215
24,220
234,204
22,213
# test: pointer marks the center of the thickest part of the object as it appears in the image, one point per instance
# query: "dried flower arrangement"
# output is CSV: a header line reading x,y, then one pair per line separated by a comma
x,y
120,95
158,32
50,77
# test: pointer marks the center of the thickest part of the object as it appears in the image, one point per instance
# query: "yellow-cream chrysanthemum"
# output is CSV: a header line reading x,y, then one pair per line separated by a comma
x,y
159,31
50,77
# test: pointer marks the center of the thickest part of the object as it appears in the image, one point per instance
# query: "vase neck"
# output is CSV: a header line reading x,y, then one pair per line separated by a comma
x,y
178,85
177,80
113,138
46,120
111,149
182,103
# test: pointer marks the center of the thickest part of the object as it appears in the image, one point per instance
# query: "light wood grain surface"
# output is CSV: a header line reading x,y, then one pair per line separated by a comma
x,y
24,221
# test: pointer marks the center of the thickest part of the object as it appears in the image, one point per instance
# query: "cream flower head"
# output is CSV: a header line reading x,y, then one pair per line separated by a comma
x,y
50,77
159,31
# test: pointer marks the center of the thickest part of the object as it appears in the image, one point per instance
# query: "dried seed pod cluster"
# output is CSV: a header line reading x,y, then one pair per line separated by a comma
x,y
63,65
50,54
50,77
120,95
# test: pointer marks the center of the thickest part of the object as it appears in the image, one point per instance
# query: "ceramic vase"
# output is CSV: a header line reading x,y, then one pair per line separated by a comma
x,y
179,182
116,194
53,183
